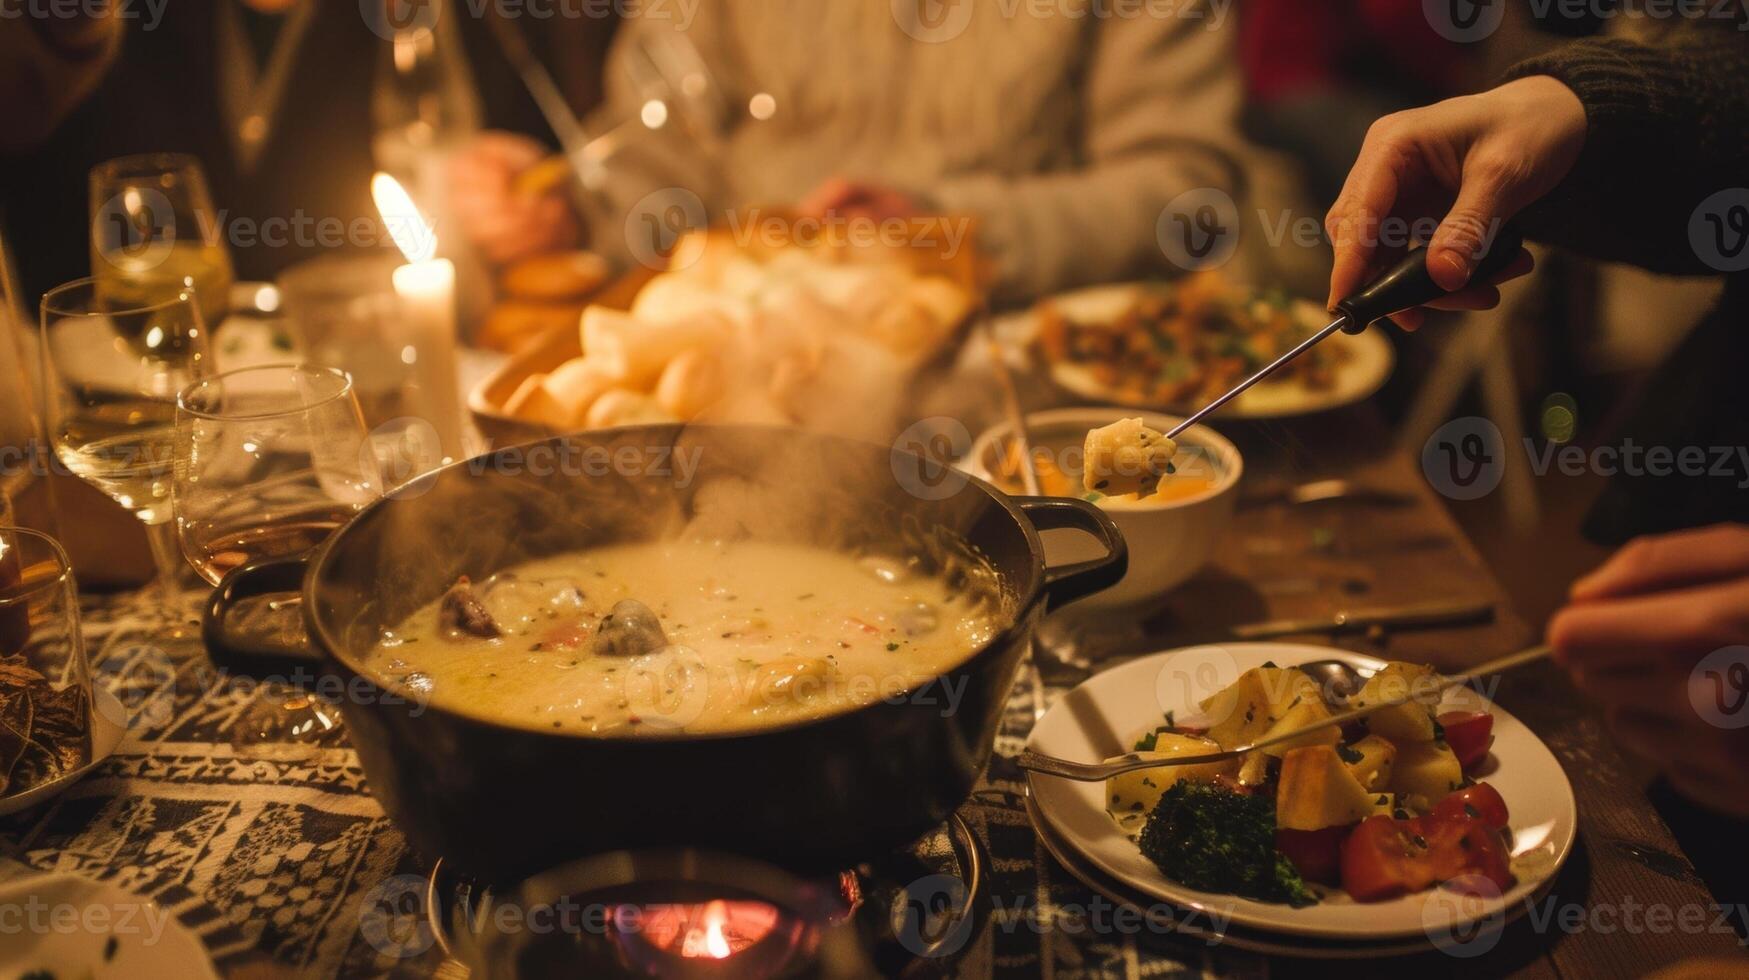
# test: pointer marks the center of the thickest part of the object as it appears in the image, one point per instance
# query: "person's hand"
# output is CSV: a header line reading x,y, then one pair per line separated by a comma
x,y
1470,162
506,221
841,198
1632,636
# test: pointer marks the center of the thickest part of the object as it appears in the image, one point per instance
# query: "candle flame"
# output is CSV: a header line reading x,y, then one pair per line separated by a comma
x,y
412,233
715,943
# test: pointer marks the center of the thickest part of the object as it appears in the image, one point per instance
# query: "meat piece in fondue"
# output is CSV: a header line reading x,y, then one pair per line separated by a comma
x,y
697,636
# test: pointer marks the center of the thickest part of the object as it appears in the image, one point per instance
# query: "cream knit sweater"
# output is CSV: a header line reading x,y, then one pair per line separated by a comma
x,y
1064,126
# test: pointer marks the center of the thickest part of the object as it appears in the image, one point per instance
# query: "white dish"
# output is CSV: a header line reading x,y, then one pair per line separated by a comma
x,y
106,733
1369,363
1099,718
85,928
1168,542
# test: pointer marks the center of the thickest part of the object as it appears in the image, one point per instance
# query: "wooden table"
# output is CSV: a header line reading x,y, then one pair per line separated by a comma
x,y
1284,561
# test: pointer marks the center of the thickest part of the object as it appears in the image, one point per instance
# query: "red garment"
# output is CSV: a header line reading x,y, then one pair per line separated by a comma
x,y
1289,46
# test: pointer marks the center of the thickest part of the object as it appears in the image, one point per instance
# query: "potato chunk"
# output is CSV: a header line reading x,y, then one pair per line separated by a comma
x,y
1412,722
1370,760
1316,791
1126,457
1426,771
1137,792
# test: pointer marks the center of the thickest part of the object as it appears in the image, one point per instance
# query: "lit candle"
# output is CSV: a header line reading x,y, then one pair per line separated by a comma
x,y
427,332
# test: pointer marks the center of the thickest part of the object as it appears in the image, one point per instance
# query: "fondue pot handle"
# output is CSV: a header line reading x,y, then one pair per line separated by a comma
x,y
282,656
1066,583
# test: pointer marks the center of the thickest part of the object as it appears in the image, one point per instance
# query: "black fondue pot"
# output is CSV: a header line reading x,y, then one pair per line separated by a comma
x,y
500,801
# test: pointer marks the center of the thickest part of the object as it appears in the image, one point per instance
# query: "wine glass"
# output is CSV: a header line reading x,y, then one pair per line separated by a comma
x,y
269,461
154,233
111,371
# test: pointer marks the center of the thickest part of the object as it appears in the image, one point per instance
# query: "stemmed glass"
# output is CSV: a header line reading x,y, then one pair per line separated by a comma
x,y
269,461
111,371
154,233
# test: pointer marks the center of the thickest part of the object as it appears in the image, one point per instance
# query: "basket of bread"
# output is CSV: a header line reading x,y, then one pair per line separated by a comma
x,y
765,333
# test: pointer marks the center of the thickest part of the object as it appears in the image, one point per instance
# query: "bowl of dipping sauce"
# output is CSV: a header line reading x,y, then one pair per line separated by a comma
x,y
1171,533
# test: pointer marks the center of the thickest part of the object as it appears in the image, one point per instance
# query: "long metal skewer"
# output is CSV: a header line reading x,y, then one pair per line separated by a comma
x,y
1304,346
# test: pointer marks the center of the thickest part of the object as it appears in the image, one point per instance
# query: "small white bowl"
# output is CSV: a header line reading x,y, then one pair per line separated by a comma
x,y
1168,541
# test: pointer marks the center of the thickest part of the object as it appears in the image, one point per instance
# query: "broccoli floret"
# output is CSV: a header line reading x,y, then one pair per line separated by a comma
x,y
1211,838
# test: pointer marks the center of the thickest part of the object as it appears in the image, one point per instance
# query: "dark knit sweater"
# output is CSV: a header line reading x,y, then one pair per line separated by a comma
x,y
1668,129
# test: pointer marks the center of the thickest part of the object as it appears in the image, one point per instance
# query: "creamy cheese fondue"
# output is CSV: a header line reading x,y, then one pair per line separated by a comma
x,y
659,637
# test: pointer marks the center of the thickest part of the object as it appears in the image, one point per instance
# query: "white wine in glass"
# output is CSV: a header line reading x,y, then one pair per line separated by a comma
x,y
154,233
111,373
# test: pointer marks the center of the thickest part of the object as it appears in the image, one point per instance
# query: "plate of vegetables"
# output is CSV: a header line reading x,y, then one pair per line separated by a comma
x,y
1176,346
1432,814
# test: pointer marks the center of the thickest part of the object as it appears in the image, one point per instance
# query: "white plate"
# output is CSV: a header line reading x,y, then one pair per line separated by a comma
x,y
106,732
1102,717
65,925
1369,363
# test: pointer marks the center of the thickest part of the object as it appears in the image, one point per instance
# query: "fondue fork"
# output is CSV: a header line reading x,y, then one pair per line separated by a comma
x,y
1403,286
1088,772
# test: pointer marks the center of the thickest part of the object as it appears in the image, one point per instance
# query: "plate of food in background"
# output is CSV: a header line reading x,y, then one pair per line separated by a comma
x,y
1433,819
1176,346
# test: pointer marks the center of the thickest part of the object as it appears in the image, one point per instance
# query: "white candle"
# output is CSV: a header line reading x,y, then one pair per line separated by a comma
x,y
425,287
427,293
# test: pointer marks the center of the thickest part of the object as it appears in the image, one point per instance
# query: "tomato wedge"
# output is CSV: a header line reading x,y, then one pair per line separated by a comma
x,y
1386,858
1316,854
1480,801
1470,734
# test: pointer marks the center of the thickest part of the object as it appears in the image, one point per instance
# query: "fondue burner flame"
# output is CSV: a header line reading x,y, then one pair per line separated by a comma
x,y
716,930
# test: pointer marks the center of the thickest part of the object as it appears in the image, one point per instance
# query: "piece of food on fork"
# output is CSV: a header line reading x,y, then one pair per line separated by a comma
x,y
1126,457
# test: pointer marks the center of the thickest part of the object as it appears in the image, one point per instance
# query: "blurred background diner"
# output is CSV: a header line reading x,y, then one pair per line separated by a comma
x,y
920,224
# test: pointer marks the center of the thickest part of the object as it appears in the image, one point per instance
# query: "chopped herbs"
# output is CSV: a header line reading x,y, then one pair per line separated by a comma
x,y
1208,837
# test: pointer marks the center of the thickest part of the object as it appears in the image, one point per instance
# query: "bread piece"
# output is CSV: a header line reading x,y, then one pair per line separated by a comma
x,y
516,324
576,384
555,278
1126,457
691,383
531,402
621,406
636,351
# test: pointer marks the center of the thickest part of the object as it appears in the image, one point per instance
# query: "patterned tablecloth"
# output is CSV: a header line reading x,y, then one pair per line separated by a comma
x,y
273,862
